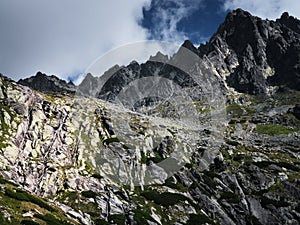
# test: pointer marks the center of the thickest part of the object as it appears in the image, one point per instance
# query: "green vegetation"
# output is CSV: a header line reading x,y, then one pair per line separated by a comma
x,y
25,196
29,222
273,129
266,201
16,202
231,197
164,199
51,220
234,109
156,159
230,142
101,222
141,215
97,176
289,166
172,183
197,219
89,194
202,107
143,158
118,219
77,202
111,140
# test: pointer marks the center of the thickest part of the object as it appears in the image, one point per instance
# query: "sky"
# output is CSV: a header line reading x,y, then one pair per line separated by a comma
x,y
64,37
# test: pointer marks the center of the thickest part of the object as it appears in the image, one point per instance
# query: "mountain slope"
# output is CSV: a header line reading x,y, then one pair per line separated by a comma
x,y
92,161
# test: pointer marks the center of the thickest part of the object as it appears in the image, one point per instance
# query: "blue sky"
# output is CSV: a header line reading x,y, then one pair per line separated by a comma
x,y
63,37
198,24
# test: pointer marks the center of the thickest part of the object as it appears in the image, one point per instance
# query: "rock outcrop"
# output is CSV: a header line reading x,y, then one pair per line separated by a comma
x,y
48,84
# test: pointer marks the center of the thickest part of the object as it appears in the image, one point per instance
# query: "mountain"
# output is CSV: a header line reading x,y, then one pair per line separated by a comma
x,y
48,84
254,54
215,140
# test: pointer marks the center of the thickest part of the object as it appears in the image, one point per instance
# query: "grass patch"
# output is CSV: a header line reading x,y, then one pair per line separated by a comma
x,y
289,166
273,129
52,220
164,199
234,109
24,196
118,219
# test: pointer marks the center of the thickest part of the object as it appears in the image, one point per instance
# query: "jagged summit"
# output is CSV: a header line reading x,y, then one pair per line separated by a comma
x,y
48,84
159,57
253,54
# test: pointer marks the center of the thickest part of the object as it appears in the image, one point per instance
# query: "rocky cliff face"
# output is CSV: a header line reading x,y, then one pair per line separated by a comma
x,y
254,54
74,159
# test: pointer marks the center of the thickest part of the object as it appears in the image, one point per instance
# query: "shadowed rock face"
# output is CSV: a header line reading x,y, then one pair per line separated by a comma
x,y
255,53
48,84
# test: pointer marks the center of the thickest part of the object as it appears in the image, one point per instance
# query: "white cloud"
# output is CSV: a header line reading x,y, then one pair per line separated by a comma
x,y
270,9
166,19
63,37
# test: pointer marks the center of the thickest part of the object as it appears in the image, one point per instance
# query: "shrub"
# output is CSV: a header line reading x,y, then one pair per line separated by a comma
x,y
231,197
29,222
141,217
111,140
196,219
101,222
118,219
164,199
89,194
97,176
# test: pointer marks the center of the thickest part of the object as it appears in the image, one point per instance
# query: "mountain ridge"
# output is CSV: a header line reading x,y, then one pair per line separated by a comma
x,y
251,55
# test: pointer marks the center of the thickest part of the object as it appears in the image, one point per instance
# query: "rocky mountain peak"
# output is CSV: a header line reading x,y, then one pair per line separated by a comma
x,y
290,21
249,52
159,57
189,45
48,84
